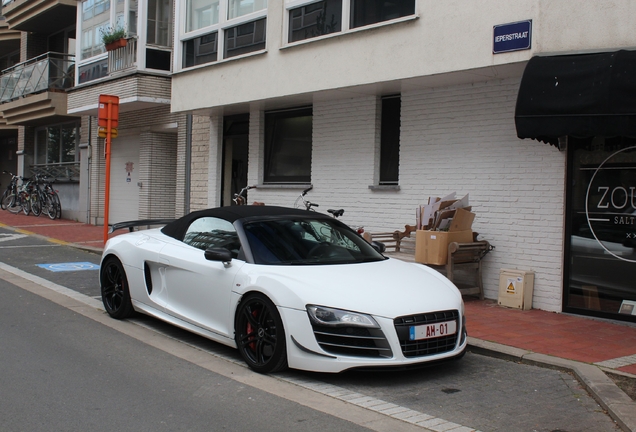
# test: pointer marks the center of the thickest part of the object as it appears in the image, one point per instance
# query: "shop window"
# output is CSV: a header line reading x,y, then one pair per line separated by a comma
x,y
200,50
601,228
366,12
288,145
390,140
315,19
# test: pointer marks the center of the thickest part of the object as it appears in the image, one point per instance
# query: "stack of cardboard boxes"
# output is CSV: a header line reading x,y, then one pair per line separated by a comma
x,y
440,222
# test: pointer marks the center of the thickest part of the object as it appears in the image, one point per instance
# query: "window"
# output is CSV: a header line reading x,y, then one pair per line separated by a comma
x,y
288,138
245,38
159,22
56,144
200,50
201,13
311,19
229,27
93,20
99,16
208,232
315,19
390,140
365,12
238,8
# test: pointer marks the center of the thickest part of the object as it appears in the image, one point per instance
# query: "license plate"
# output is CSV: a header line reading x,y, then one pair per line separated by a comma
x,y
429,331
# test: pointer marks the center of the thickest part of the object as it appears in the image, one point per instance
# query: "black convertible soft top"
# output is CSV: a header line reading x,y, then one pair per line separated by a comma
x,y
177,228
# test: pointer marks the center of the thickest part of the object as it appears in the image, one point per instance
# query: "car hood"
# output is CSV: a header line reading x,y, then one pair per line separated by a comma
x,y
387,288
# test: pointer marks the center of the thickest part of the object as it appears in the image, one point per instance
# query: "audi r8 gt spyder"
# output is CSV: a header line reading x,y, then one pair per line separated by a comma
x,y
287,288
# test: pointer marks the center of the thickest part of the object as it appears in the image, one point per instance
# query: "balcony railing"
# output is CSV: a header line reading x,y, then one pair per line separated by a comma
x,y
124,57
63,171
50,71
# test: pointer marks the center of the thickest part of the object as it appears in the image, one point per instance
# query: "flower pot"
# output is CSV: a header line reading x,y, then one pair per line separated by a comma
x,y
119,43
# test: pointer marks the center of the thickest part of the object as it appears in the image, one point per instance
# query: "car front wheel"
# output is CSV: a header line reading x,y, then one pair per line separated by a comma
x,y
114,286
259,334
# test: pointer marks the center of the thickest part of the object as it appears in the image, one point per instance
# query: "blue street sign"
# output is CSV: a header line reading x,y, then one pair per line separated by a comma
x,y
512,37
77,266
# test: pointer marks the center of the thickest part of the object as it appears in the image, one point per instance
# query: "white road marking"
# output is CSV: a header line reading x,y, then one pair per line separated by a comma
x,y
8,237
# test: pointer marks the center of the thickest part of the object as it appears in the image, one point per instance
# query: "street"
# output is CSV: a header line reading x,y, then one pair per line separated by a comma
x,y
67,366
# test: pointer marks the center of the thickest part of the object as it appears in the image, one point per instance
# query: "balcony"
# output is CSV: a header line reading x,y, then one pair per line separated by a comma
x,y
39,16
123,58
139,75
33,92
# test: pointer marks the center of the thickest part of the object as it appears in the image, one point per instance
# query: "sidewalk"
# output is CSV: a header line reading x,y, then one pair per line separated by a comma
x,y
584,346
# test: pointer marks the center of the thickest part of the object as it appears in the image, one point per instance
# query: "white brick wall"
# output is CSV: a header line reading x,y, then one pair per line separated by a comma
x,y
457,139
463,139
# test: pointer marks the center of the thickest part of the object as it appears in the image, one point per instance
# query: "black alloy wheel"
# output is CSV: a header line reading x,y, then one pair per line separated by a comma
x,y
114,286
259,334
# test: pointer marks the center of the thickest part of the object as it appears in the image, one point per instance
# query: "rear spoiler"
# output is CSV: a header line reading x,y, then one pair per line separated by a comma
x,y
131,225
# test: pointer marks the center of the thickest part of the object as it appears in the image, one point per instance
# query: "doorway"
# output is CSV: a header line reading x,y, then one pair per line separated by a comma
x,y
235,156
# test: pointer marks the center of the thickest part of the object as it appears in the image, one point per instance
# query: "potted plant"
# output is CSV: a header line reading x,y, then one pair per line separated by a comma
x,y
113,38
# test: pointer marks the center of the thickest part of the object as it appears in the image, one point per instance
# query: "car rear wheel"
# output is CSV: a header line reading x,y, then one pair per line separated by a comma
x,y
259,334
114,287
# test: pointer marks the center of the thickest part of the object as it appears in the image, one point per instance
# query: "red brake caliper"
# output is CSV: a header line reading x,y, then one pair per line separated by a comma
x,y
249,330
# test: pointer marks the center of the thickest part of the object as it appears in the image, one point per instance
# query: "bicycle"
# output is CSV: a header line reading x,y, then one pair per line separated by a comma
x,y
31,198
49,199
11,199
241,197
302,201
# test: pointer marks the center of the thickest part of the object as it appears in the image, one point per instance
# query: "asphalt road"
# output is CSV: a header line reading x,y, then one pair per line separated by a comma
x,y
477,392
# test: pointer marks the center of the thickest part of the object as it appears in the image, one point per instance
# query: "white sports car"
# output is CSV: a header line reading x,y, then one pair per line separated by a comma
x,y
287,287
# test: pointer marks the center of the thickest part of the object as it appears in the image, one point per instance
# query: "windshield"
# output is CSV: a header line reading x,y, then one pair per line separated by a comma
x,y
307,242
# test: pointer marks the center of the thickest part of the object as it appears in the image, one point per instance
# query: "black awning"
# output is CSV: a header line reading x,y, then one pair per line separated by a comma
x,y
582,96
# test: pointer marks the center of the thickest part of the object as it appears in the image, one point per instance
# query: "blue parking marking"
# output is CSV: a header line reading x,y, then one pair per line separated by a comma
x,y
76,266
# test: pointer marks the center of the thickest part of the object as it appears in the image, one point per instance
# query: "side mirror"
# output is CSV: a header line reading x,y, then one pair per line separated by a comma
x,y
218,254
378,246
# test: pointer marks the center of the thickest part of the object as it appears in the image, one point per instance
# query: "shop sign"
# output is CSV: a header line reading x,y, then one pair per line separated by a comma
x,y
610,205
512,37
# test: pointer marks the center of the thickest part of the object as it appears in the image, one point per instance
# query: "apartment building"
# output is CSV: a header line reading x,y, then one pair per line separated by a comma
x,y
9,56
37,44
378,105
147,157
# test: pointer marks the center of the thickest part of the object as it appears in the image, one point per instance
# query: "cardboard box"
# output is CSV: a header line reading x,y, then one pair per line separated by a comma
x,y
431,247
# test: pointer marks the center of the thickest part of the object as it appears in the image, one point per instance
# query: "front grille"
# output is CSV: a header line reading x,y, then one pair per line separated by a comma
x,y
426,347
352,341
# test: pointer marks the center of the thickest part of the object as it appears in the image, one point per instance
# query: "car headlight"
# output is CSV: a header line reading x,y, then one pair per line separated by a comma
x,y
327,316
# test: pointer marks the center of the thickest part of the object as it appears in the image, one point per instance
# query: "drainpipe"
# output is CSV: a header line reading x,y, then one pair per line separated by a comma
x,y
88,170
188,162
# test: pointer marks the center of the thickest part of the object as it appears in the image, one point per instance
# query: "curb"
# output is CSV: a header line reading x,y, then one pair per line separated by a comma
x,y
607,394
